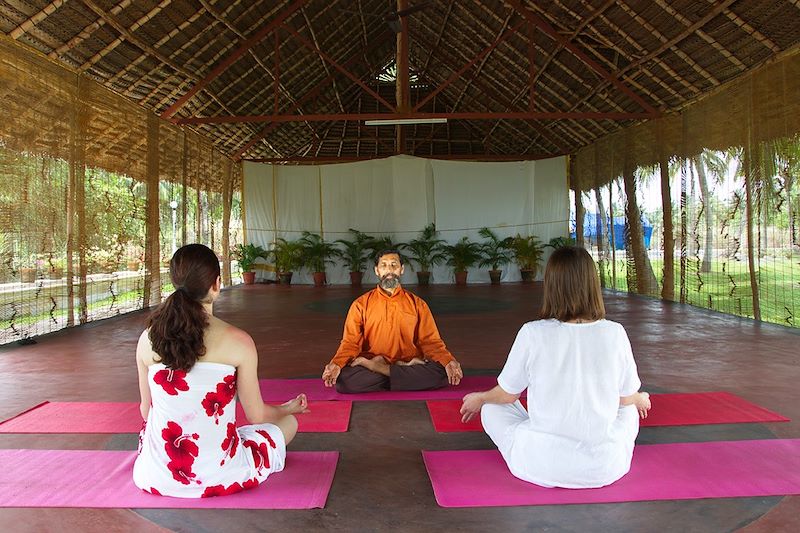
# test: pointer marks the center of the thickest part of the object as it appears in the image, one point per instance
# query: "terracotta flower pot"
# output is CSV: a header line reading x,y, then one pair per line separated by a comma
x,y
461,278
319,279
285,278
423,278
527,275
494,275
249,277
355,279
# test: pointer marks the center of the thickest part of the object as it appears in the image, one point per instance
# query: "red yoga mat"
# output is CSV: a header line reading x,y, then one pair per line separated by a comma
x,y
89,478
668,410
124,417
685,471
280,390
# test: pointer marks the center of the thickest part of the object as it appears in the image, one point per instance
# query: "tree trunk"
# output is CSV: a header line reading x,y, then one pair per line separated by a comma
x,y
646,282
705,266
579,216
601,227
751,173
668,287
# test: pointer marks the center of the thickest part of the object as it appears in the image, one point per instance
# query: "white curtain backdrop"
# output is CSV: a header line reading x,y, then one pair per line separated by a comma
x,y
400,195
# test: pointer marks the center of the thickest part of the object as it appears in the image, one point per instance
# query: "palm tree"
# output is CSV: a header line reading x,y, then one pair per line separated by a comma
x,y
316,254
645,279
354,253
462,255
426,250
496,252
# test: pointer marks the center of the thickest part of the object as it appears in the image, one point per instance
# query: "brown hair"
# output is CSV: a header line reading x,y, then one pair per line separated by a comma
x,y
177,325
572,286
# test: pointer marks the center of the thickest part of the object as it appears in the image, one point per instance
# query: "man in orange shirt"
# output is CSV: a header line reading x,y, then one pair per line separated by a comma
x,y
390,340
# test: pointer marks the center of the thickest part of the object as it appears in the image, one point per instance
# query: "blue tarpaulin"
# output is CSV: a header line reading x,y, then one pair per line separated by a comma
x,y
592,228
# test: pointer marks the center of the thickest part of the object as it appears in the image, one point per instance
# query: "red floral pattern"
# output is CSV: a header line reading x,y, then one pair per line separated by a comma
x,y
182,450
266,436
230,443
171,381
214,403
260,454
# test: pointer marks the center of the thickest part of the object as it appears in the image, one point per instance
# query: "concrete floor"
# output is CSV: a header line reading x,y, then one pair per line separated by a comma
x,y
381,483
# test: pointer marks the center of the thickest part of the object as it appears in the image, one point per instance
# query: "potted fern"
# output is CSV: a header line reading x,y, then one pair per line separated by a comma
x,y
354,254
528,254
462,255
426,250
316,254
246,255
288,255
496,252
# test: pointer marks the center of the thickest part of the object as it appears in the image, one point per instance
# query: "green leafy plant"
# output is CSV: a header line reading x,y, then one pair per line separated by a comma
x,y
355,252
378,244
496,251
288,255
560,242
246,255
463,254
317,252
426,250
528,252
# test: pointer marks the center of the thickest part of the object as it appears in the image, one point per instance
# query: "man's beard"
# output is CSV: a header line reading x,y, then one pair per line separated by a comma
x,y
389,281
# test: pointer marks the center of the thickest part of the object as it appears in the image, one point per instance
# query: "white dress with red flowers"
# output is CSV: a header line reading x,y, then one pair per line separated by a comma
x,y
190,446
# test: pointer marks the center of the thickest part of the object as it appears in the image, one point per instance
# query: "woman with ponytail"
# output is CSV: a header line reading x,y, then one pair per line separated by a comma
x,y
192,367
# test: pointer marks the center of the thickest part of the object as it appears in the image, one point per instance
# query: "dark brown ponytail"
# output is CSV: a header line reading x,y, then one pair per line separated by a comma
x,y
177,325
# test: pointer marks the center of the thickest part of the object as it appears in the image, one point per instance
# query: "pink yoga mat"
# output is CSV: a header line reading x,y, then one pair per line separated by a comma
x,y
83,478
280,390
124,417
685,471
668,410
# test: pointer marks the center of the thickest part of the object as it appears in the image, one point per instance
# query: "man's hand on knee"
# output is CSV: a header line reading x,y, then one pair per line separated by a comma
x,y
454,373
330,374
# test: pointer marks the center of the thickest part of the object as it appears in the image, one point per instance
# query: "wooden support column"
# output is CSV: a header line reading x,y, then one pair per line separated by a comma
x,y
668,287
402,75
152,253
76,206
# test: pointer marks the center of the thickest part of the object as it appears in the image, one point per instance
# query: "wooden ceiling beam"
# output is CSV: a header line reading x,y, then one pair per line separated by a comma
x,y
87,31
274,74
580,54
658,35
502,36
232,58
308,96
640,50
308,44
324,117
324,64
454,157
760,37
127,35
439,35
585,20
35,19
713,12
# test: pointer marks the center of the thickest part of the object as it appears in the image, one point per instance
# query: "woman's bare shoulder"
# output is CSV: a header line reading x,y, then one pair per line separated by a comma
x,y
227,343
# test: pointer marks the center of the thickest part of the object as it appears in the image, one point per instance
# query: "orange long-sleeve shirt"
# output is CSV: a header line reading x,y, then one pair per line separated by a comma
x,y
399,327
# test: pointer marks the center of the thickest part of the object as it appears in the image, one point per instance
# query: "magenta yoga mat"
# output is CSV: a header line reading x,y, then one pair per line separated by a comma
x,y
124,417
684,471
285,389
684,409
84,478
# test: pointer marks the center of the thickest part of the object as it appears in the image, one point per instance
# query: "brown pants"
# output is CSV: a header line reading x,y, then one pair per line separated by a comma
x,y
355,379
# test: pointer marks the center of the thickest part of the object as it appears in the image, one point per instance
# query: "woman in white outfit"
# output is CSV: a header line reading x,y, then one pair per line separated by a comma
x,y
192,368
583,405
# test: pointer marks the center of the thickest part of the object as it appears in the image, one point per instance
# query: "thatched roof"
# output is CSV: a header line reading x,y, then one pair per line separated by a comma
x,y
517,79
